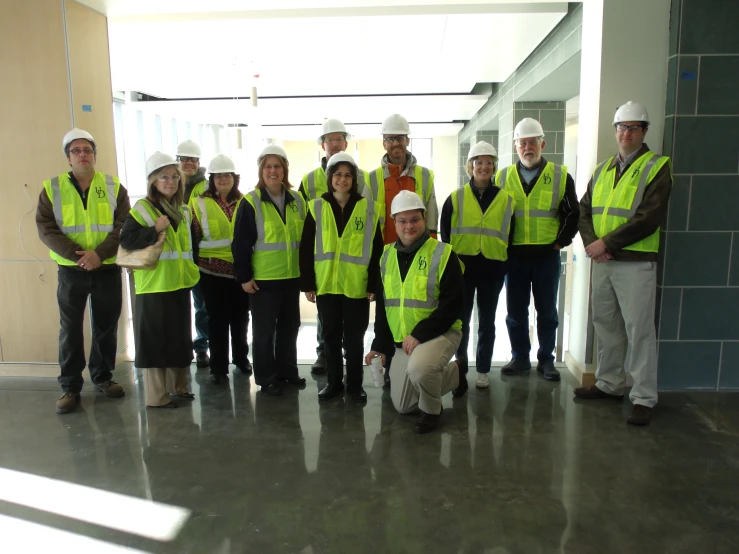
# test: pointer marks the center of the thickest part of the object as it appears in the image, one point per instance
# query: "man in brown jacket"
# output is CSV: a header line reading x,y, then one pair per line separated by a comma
x,y
79,217
620,216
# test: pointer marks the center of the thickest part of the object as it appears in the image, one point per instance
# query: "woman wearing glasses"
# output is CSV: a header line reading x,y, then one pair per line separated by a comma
x,y
226,302
340,271
162,324
477,220
265,249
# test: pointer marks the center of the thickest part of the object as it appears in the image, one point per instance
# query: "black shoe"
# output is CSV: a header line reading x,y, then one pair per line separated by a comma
x,y
218,378
202,359
330,391
463,384
358,395
299,381
319,366
548,370
427,422
272,390
516,366
245,367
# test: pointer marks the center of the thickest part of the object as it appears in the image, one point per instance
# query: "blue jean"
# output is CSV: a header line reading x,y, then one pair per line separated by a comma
x,y
488,292
200,344
540,276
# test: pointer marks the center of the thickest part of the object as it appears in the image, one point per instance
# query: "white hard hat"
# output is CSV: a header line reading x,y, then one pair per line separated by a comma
x,y
395,124
528,128
631,111
482,148
272,150
332,126
340,157
159,160
221,164
75,134
188,148
406,200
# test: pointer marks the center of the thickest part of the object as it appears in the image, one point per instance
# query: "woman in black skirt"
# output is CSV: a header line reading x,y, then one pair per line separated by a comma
x,y
162,324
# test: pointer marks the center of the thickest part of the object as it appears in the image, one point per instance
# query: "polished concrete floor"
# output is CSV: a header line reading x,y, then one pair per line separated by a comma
x,y
518,468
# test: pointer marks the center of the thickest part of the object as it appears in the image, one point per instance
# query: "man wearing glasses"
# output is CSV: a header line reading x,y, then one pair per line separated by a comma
x,y
79,217
188,155
546,221
334,139
620,216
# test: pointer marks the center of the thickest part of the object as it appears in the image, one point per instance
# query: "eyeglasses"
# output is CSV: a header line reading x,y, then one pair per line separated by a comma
x,y
399,139
187,159
78,151
414,221
334,140
223,176
165,178
632,128
483,163
530,142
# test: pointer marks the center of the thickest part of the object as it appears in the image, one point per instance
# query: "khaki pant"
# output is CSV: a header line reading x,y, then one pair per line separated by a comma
x,y
624,295
159,380
420,380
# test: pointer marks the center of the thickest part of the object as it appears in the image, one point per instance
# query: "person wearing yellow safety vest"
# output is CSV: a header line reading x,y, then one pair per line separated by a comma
x,y
477,220
620,216
546,221
339,270
314,185
214,218
162,321
79,218
417,314
269,224
188,156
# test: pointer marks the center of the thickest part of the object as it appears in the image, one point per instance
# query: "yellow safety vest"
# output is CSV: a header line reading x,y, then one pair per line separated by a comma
x,y
474,232
276,250
197,190
89,226
423,177
218,231
315,184
175,269
410,301
612,206
341,262
537,214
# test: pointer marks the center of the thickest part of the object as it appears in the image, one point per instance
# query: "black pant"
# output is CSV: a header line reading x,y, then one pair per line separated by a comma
x,y
227,306
104,290
275,325
347,318
488,292
321,347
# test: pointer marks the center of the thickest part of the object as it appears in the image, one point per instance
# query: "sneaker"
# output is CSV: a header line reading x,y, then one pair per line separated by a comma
x,y
67,402
516,366
110,388
640,415
548,370
202,359
319,366
482,381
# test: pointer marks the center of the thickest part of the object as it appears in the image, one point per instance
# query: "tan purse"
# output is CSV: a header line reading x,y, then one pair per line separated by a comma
x,y
144,258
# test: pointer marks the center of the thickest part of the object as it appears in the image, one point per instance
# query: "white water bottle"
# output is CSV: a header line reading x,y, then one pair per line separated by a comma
x,y
377,370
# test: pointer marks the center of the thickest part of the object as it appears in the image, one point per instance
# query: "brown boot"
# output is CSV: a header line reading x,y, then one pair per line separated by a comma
x,y
427,422
594,393
67,402
640,415
110,388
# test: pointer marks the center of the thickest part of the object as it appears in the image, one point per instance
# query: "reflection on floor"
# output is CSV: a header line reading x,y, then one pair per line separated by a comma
x,y
517,468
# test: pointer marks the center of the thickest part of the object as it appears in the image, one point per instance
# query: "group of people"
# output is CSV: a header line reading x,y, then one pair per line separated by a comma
x,y
346,238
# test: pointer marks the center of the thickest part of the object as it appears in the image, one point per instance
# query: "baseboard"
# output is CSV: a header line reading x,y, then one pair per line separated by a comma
x,y
20,369
584,373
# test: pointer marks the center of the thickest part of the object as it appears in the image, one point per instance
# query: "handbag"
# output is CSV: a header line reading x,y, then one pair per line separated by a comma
x,y
143,258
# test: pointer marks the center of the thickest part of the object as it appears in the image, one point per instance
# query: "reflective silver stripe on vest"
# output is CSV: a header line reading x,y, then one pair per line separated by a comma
x,y
259,218
112,199
375,186
56,199
556,187
100,228
425,177
208,241
360,181
139,207
536,213
598,170
366,240
392,302
320,255
174,255
433,277
638,196
312,184
503,176
502,234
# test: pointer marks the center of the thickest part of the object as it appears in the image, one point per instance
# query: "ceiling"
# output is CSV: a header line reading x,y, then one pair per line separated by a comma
x,y
358,60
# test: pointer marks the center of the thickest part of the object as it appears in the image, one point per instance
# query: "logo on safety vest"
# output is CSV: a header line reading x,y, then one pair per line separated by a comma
x,y
100,191
635,174
293,207
422,264
547,179
358,223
